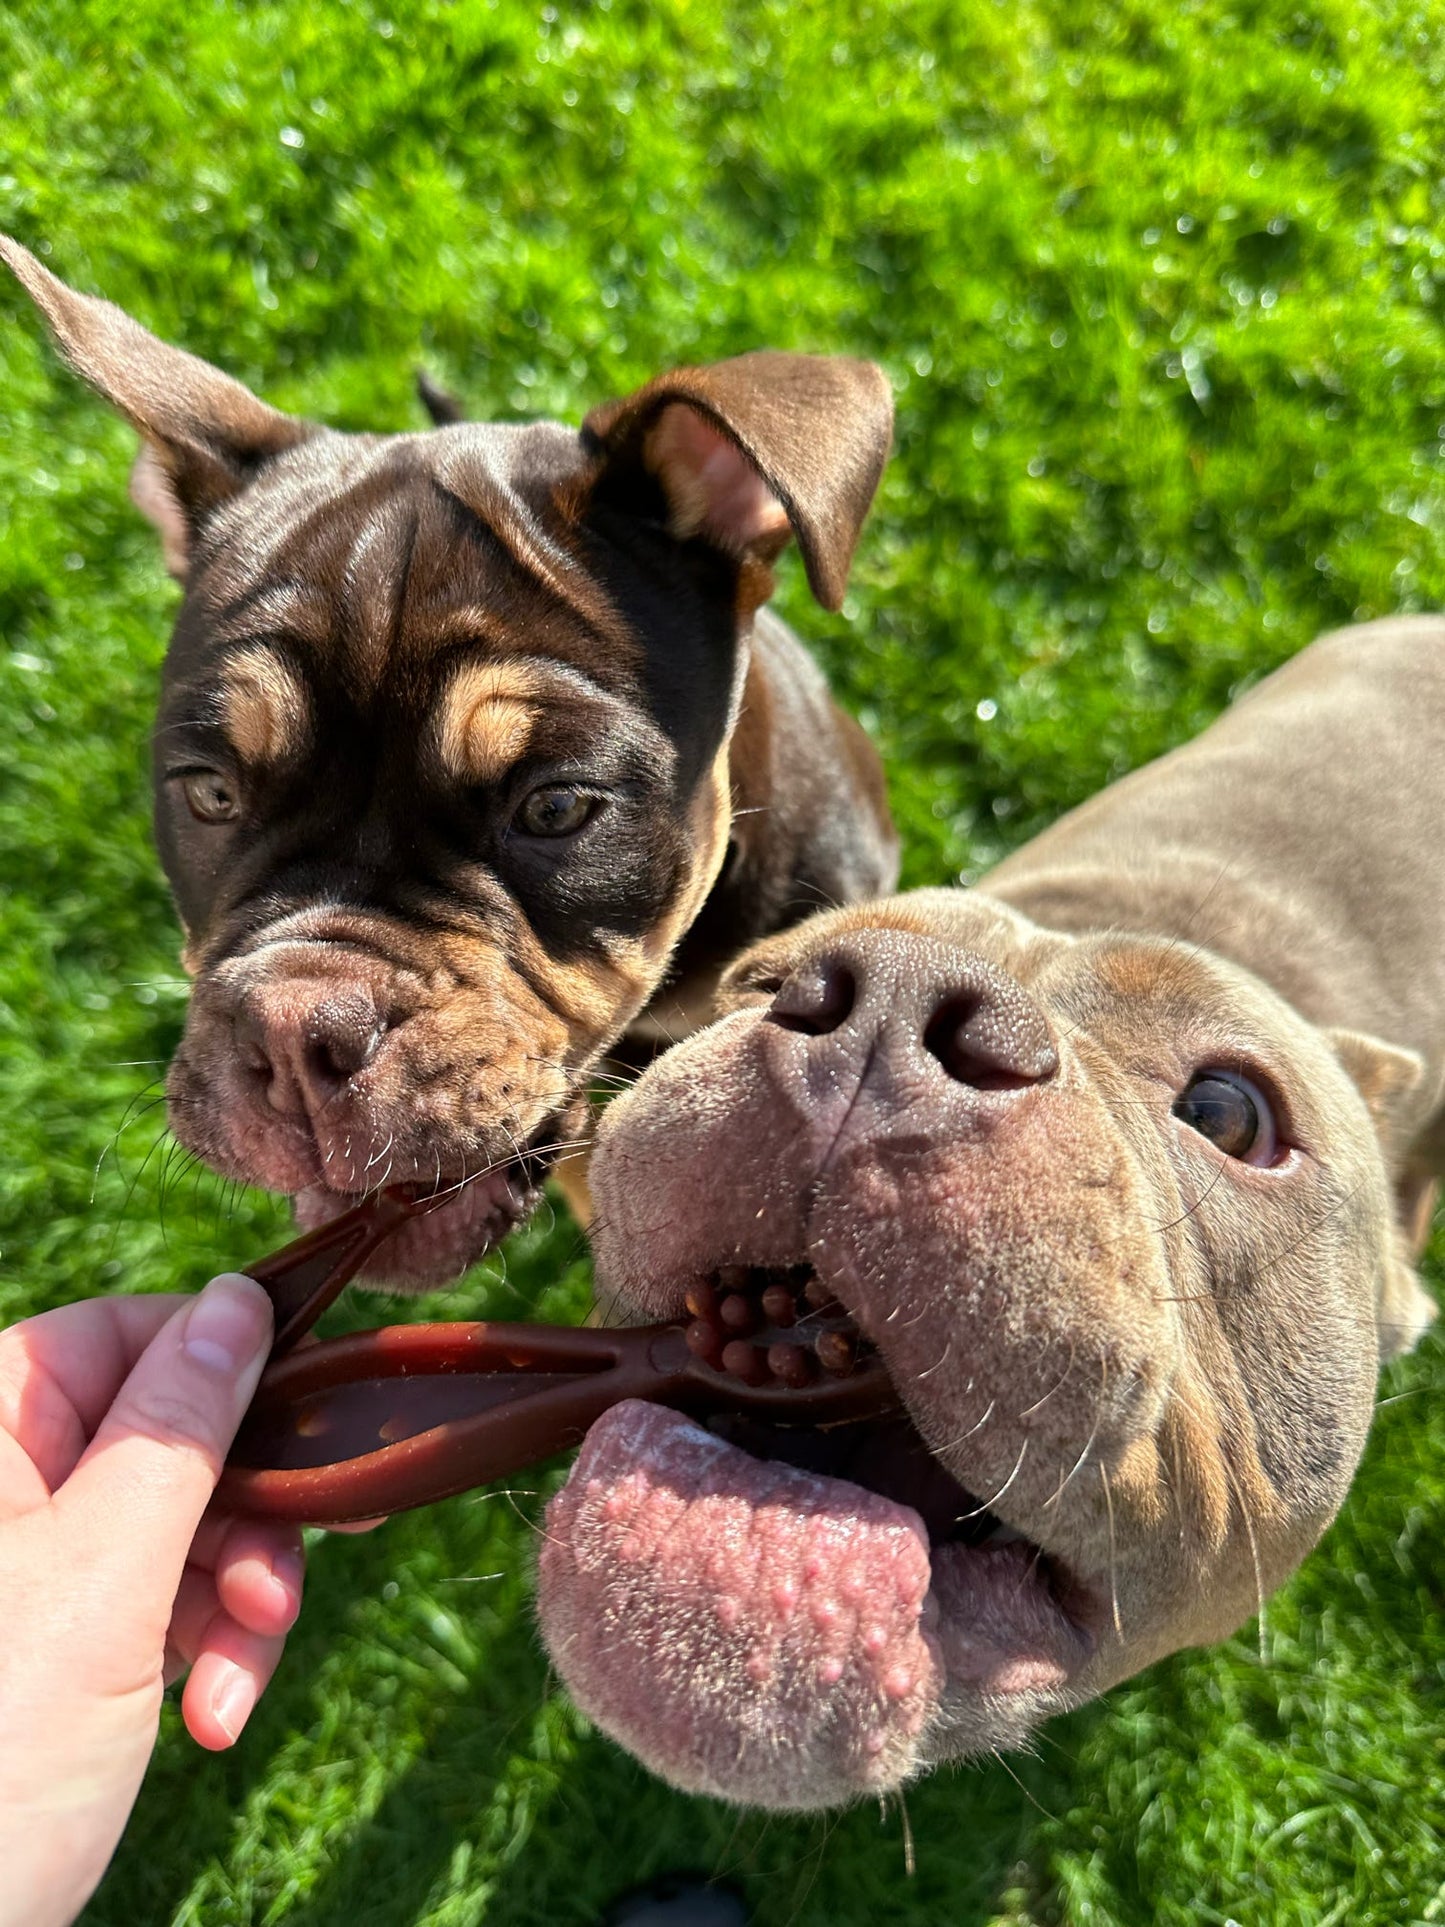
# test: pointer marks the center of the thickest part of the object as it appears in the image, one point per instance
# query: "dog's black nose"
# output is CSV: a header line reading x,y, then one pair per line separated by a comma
x,y
889,991
304,1043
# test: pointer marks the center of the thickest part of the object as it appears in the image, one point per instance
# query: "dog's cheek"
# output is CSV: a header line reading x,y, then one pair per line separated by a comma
x,y
696,1164
1018,1292
490,1052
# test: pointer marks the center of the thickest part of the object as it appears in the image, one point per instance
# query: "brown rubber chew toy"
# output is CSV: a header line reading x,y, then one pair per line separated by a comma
x,y
384,1420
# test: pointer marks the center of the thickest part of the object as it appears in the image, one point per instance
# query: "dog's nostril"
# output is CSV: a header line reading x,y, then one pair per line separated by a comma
x,y
251,1048
335,1056
981,1043
815,999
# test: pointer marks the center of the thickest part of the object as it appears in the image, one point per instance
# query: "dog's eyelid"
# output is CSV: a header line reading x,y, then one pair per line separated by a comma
x,y
177,772
525,778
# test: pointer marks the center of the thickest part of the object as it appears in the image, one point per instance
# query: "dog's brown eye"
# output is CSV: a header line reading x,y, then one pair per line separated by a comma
x,y
210,797
1233,1113
554,810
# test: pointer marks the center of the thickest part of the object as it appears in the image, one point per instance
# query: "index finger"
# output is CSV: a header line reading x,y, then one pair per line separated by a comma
x,y
137,1495
59,1372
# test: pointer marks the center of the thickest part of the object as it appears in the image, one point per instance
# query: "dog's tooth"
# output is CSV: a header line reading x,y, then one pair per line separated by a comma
x,y
780,1306
738,1315
791,1364
746,1361
836,1352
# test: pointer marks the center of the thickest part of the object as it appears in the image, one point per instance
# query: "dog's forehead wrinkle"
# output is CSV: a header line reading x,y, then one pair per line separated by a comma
x,y
479,470
289,497
285,609
346,531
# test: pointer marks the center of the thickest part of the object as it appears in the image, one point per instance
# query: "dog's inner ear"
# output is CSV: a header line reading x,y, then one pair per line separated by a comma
x,y
712,488
154,494
754,449
204,434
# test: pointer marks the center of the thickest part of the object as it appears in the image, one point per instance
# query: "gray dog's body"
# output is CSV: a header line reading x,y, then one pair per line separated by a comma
x,y
1303,837
1121,1163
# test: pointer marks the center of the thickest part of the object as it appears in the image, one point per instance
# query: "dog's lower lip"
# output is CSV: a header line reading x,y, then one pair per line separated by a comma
x,y
524,1171
891,1458
461,1219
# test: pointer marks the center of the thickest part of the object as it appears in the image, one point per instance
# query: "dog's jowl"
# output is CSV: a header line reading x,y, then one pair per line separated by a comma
x,y
1121,1163
476,747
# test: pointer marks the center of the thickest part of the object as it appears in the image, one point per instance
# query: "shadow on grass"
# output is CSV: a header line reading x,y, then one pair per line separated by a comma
x,y
603,1824
511,1810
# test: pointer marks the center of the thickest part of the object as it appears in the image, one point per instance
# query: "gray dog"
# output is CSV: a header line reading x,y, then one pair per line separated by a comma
x,y
1121,1164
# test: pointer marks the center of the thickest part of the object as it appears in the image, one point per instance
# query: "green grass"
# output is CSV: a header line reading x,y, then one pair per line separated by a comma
x,y
1159,289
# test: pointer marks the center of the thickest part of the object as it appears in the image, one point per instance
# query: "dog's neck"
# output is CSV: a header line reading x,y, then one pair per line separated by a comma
x,y
1301,838
810,828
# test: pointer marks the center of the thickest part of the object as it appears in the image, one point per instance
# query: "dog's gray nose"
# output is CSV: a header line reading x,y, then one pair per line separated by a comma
x,y
305,1042
892,994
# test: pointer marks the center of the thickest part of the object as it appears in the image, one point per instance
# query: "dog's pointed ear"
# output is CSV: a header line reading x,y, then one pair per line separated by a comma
x,y
751,450
205,435
1388,1078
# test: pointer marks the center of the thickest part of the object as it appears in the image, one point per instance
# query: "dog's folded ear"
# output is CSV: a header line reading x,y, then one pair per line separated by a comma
x,y
1388,1079
1385,1076
1404,1309
205,435
751,450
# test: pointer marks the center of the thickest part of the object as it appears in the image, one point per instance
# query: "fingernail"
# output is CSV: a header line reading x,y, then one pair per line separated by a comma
x,y
228,1323
232,1701
288,1570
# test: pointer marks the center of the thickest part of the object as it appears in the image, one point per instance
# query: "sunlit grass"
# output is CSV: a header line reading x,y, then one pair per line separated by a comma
x,y
1157,287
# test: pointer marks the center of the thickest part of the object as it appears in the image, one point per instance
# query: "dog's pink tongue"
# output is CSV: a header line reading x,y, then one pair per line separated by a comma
x,y
746,1629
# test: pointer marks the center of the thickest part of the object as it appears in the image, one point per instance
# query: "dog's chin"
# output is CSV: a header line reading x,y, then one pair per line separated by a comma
x,y
437,1246
793,1618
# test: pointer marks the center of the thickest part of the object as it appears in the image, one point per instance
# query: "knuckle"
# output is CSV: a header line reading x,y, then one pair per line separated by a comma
x,y
172,1417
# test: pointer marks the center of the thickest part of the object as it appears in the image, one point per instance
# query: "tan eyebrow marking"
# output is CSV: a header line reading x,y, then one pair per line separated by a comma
x,y
486,719
265,709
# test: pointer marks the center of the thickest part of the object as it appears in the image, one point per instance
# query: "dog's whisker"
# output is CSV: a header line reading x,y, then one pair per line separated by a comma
x,y
1103,1472
938,1362
1038,1405
1077,1467
989,1504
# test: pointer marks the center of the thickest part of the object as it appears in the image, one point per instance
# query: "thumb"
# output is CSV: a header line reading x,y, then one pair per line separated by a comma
x,y
137,1495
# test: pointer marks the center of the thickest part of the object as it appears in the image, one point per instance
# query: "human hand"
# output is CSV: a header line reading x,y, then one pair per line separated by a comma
x,y
115,1417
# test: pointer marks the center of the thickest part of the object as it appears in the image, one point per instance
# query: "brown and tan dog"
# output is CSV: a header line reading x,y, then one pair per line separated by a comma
x,y
1120,1162
477,747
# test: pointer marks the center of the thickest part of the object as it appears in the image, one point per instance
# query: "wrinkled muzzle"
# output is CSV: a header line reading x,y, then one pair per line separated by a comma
x,y
325,1064
792,1621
